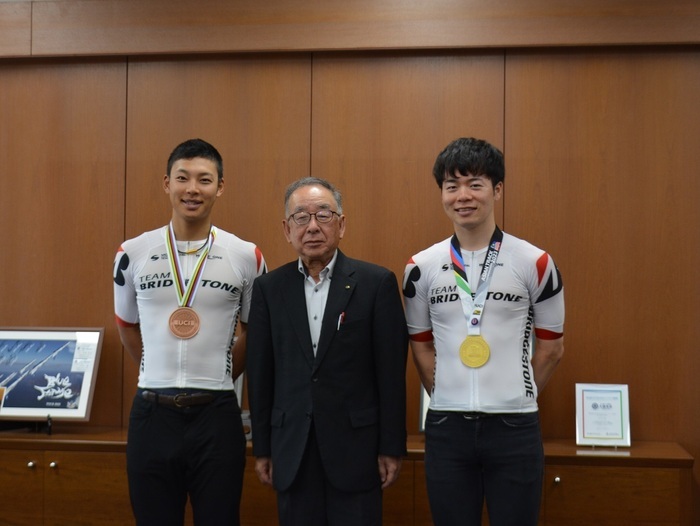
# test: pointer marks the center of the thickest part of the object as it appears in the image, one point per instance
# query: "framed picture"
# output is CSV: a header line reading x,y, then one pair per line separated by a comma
x,y
48,372
602,415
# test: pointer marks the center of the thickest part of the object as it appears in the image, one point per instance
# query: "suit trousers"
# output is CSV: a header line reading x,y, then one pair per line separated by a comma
x,y
472,456
197,451
312,501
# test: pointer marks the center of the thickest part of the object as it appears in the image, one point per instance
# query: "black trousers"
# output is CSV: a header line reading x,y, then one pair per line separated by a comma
x,y
496,457
173,453
313,501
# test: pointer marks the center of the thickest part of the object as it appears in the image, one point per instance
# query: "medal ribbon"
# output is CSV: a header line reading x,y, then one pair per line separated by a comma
x,y
186,294
473,307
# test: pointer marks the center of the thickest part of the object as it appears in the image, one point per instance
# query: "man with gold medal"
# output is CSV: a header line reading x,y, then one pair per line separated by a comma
x,y
485,313
179,293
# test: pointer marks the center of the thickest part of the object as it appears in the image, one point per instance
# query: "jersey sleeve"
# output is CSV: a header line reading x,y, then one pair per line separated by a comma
x,y
548,299
415,293
257,268
125,306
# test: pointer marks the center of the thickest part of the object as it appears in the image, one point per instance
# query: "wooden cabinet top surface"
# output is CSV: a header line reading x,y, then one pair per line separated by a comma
x,y
66,438
640,454
557,451
565,451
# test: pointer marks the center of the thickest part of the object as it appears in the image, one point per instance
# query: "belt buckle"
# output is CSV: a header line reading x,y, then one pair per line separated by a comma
x,y
177,398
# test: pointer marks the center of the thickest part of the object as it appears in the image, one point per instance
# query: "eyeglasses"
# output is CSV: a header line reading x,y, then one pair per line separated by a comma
x,y
322,216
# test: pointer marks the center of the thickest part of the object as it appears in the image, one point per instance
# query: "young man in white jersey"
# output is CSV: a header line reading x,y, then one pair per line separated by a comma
x,y
179,292
475,303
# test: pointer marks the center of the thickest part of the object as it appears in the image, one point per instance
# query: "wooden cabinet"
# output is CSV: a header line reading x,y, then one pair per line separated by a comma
x,y
63,481
78,478
647,484
92,482
22,483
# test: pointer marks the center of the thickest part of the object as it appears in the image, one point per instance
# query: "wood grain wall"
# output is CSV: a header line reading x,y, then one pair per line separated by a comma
x,y
602,171
62,155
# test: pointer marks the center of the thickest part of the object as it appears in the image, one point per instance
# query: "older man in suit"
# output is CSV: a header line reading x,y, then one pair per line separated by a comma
x,y
327,346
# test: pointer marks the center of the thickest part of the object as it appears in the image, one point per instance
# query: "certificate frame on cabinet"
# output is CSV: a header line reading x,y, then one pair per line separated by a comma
x,y
602,415
48,372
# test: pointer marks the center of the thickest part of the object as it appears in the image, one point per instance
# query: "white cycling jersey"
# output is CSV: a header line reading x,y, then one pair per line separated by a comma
x,y
145,295
525,292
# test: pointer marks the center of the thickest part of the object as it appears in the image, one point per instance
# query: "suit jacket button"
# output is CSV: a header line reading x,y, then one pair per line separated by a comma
x,y
308,414
314,379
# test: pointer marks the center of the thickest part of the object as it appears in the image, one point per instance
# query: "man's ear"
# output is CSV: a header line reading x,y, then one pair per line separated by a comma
x,y
498,191
286,229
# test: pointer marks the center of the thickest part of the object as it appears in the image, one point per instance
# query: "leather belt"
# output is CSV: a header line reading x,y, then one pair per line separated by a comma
x,y
179,400
474,415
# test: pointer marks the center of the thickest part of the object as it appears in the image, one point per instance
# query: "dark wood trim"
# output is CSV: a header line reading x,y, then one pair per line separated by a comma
x,y
133,27
15,29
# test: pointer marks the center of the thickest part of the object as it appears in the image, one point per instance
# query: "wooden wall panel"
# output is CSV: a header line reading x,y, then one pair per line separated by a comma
x,y
86,27
603,171
379,121
15,29
601,163
62,205
255,111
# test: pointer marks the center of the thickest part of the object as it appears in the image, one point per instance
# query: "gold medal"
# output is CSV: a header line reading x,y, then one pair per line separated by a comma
x,y
474,351
184,323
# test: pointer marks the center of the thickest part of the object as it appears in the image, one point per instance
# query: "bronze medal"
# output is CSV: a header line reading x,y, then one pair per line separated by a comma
x,y
184,323
474,351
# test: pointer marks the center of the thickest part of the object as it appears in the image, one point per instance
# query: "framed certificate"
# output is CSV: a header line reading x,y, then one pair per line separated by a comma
x,y
602,415
48,372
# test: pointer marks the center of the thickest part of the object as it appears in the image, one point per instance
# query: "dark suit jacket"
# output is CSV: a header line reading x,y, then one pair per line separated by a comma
x,y
354,389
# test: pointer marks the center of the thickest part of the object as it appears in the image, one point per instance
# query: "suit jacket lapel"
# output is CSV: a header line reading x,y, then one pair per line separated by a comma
x,y
341,289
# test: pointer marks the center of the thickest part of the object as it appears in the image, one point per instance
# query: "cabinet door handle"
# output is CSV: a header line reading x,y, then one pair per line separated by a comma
x,y
31,464
53,465
557,480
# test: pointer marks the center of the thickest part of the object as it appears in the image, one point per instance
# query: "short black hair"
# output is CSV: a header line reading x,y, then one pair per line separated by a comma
x,y
470,156
196,148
